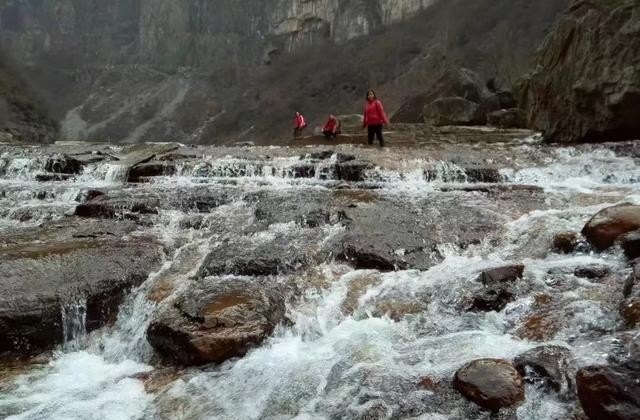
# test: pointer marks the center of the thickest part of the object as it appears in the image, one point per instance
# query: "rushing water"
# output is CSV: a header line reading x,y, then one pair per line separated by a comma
x,y
331,361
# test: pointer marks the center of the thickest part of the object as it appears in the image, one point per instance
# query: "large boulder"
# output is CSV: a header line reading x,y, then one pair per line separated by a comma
x,y
609,392
451,111
607,225
217,319
37,281
491,383
495,102
587,83
455,82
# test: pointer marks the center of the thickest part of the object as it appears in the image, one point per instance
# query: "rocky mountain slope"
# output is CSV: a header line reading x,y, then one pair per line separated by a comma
x,y
587,83
218,71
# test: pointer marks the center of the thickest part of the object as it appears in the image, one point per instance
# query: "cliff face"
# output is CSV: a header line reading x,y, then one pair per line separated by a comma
x,y
23,116
211,71
587,83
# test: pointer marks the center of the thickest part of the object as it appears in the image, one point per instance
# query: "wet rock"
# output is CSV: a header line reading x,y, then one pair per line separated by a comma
x,y
89,195
216,320
634,278
104,207
142,172
353,171
585,87
631,244
609,392
490,383
565,242
592,271
303,170
630,311
53,177
451,111
540,326
507,118
498,288
483,175
609,224
261,254
63,164
37,280
551,366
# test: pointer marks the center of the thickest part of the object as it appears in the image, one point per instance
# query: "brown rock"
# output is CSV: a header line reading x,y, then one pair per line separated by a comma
x,y
216,320
565,242
607,225
540,326
491,383
497,289
357,288
609,393
630,311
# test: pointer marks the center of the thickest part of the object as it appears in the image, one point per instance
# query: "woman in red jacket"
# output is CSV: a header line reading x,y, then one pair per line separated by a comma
x,y
374,118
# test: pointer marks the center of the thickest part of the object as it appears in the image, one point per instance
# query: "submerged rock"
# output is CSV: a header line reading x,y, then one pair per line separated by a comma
x,y
631,244
609,392
498,288
36,281
491,383
552,366
609,224
217,319
63,164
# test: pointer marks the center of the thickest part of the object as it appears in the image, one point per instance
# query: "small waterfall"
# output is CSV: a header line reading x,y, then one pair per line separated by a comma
x,y
74,321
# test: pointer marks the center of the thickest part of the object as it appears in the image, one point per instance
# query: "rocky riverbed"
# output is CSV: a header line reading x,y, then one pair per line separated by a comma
x,y
463,278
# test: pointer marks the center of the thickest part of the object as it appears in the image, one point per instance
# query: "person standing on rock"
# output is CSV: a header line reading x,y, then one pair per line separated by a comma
x,y
332,127
300,125
374,118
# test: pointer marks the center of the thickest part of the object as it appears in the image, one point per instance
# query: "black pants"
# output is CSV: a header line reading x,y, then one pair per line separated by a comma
x,y
330,134
375,130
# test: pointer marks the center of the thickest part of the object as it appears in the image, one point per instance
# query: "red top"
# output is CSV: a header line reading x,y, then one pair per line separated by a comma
x,y
374,113
300,122
331,125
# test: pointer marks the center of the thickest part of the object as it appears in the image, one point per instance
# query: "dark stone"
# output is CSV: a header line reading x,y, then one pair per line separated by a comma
x,y
630,311
51,177
609,224
104,207
451,111
490,383
63,164
550,366
483,175
498,288
592,272
143,171
507,118
495,102
216,320
631,244
36,280
609,392
353,170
